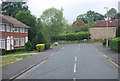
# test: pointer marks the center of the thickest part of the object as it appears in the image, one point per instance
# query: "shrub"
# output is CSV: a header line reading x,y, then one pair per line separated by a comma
x,y
14,50
47,45
40,47
28,46
72,36
115,44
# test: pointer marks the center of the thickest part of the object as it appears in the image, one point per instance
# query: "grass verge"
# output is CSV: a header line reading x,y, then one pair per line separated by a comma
x,y
11,59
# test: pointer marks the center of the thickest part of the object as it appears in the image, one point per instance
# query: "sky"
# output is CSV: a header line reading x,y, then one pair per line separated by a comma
x,y
71,8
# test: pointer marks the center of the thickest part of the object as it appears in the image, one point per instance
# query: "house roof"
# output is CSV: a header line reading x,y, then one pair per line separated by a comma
x,y
111,23
12,20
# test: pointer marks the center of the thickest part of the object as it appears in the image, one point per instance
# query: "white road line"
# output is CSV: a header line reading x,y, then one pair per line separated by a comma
x,y
74,79
107,58
74,68
75,59
114,63
78,47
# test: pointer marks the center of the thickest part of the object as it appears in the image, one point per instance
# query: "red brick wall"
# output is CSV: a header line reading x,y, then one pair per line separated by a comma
x,y
14,34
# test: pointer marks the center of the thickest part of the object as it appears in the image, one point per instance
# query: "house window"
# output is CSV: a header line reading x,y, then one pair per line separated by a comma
x,y
26,30
16,42
22,41
16,29
21,30
2,43
2,28
8,28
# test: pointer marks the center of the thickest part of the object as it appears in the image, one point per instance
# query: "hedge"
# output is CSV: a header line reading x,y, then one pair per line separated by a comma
x,y
72,36
13,51
40,47
115,44
47,45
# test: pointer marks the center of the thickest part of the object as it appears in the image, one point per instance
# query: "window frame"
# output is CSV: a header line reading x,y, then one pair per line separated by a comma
x,y
16,45
3,27
17,29
22,30
8,26
22,41
3,40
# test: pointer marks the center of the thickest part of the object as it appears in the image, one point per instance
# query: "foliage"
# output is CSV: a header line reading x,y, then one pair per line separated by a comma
x,y
11,8
35,36
90,16
115,44
40,47
118,32
28,46
13,51
72,36
111,13
40,39
47,45
53,22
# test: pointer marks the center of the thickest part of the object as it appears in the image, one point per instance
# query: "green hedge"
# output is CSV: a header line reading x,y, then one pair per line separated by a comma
x,y
72,36
115,44
47,45
13,51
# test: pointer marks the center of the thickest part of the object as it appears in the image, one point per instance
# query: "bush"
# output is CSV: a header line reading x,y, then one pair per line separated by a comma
x,y
40,47
47,45
72,36
14,50
28,46
115,44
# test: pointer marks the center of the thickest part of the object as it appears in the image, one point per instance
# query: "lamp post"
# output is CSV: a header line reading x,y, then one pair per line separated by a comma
x,y
107,27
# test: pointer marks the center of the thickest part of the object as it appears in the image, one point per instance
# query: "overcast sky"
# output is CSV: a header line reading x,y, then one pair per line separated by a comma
x,y
72,8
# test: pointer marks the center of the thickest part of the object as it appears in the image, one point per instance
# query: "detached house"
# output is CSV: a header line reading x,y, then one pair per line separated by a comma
x,y
99,29
13,33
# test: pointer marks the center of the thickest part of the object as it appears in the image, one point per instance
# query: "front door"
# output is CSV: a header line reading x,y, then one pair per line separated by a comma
x,y
8,43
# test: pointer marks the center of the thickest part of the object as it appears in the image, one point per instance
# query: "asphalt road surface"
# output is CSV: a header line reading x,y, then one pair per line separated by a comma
x,y
76,61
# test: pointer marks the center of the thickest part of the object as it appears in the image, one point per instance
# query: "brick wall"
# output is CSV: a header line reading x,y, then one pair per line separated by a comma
x,y
101,33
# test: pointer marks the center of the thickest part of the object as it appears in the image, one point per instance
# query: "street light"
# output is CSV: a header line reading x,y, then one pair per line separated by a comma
x,y
106,27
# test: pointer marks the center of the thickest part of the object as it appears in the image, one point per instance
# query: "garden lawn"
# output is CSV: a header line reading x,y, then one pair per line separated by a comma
x,y
5,60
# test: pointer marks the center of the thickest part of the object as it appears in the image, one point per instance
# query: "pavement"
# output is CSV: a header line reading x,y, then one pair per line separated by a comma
x,y
19,67
12,70
114,56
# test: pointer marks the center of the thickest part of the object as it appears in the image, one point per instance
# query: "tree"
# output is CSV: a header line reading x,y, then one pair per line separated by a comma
x,y
11,8
118,32
53,22
35,36
90,16
112,12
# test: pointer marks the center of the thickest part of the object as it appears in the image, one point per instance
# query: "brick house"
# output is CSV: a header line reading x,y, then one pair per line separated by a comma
x,y
99,29
13,33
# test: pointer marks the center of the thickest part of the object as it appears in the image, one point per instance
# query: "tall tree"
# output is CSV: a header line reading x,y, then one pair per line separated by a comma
x,y
90,16
112,12
34,24
53,22
11,8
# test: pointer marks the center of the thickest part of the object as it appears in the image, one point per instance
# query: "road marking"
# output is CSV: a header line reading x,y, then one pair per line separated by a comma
x,y
114,63
75,59
74,68
108,58
78,47
74,79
